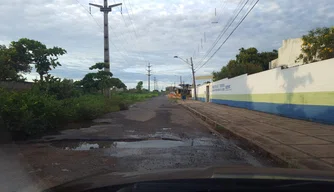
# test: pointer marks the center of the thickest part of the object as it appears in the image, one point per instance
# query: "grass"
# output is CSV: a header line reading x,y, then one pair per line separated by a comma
x,y
219,127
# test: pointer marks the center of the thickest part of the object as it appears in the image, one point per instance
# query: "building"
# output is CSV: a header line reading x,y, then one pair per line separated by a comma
x,y
288,53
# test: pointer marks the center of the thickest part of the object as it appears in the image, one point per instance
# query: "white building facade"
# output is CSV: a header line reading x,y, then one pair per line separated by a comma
x,y
288,53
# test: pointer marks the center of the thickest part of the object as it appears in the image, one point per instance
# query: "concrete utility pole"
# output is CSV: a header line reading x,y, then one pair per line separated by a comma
x,y
155,83
193,73
194,81
180,79
106,9
149,75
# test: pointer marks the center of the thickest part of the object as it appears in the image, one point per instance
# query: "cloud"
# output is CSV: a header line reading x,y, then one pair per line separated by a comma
x,y
155,31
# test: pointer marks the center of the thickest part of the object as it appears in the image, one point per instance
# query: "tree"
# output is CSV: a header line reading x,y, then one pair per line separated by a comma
x,y
44,58
317,45
115,82
96,81
14,61
266,58
98,66
100,80
248,61
139,86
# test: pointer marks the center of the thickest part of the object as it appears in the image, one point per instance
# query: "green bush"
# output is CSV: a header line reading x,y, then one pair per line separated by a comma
x,y
34,112
29,114
61,89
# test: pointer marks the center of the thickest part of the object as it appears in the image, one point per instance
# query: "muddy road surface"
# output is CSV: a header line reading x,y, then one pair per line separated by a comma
x,y
151,135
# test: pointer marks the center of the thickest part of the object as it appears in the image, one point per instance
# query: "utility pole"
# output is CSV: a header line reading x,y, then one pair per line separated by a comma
x,y
180,79
194,81
106,9
149,76
155,83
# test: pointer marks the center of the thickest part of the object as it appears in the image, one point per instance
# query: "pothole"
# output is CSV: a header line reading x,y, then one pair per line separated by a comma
x,y
82,146
134,144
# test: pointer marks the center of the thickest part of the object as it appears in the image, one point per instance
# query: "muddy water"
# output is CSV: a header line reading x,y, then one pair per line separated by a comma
x,y
152,143
155,153
157,135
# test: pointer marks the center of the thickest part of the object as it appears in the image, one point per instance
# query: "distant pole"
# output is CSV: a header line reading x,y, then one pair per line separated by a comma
x,y
180,79
149,76
106,9
194,81
155,83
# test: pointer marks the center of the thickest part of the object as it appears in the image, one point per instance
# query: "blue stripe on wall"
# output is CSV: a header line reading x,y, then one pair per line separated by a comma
x,y
201,99
317,113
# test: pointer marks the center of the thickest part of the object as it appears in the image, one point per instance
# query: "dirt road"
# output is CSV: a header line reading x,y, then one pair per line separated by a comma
x,y
151,135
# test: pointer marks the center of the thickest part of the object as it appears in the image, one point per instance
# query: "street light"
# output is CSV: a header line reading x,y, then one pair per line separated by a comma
x,y
193,72
186,61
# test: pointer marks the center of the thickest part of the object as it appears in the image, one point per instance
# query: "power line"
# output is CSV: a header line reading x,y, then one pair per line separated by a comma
x,y
227,26
89,13
122,34
120,9
133,27
229,35
134,37
221,14
100,26
217,39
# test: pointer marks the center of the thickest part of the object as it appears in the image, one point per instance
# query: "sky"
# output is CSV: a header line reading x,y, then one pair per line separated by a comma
x,y
154,31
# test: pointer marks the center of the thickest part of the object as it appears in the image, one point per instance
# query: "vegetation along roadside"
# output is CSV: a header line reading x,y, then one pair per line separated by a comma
x,y
53,102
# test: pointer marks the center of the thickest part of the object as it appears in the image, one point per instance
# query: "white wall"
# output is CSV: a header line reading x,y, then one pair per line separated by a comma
x,y
302,92
314,77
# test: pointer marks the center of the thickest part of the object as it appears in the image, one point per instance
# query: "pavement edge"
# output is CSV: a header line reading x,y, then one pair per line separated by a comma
x,y
245,142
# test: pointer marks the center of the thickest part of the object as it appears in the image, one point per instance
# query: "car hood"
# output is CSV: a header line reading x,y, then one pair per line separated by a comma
x,y
118,178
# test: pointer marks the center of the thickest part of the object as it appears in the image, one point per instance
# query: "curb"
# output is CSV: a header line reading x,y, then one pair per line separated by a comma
x,y
244,142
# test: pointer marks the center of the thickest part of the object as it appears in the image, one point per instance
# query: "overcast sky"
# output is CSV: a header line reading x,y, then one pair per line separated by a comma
x,y
155,31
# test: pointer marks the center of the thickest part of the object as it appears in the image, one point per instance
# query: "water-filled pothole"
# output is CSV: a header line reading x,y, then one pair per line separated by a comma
x,y
135,144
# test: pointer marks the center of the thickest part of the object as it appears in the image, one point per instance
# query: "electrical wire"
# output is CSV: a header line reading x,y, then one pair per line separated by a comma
x,y
101,29
122,34
228,35
227,26
221,14
222,32
133,27
89,14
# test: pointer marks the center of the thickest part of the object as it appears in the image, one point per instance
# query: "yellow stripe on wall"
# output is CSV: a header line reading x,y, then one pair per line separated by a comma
x,y
308,98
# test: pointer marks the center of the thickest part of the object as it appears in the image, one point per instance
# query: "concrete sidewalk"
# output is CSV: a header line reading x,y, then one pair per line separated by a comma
x,y
298,143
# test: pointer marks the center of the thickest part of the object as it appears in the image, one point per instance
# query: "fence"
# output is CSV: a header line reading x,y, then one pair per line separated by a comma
x,y
302,92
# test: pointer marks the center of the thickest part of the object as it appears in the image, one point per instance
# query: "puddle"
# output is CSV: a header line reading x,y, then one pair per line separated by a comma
x,y
149,144
164,135
204,142
132,147
166,128
82,146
